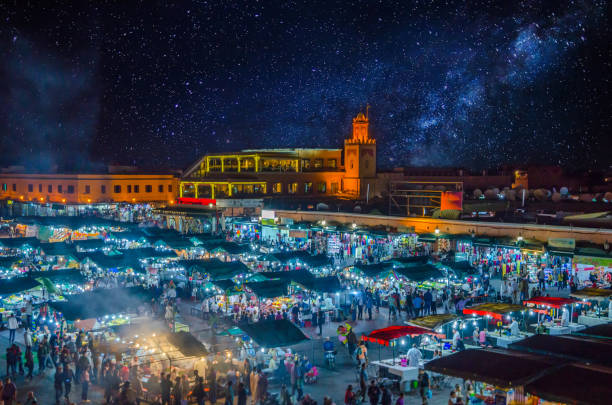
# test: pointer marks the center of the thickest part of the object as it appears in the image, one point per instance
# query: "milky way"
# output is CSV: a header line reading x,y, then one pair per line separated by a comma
x,y
156,84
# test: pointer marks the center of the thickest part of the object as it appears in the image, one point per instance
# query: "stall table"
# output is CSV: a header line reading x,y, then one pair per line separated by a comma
x,y
406,374
590,320
504,340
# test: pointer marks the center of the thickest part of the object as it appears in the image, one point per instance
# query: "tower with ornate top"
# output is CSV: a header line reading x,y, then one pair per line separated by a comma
x,y
360,159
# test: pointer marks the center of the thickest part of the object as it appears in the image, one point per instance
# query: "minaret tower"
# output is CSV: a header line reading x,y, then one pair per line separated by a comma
x,y
359,157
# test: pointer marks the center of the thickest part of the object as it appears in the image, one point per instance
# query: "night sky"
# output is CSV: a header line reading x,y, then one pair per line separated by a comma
x,y
159,83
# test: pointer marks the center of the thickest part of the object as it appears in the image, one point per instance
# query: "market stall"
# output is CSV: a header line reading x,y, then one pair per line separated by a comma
x,y
558,313
498,314
569,347
394,336
498,375
572,384
600,310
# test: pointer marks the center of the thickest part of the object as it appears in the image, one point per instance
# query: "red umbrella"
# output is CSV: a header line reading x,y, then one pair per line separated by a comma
x,y
385,335
552,302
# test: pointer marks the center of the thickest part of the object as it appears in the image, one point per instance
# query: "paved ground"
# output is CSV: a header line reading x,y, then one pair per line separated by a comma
x,y
331,383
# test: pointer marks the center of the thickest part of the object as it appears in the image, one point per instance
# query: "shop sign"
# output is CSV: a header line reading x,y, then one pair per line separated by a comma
x,y
298,234
267,221
268,214
593,261
562,243
240,203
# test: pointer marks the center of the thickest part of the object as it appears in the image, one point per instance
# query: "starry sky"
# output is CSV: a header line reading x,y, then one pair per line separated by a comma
x,y
476,84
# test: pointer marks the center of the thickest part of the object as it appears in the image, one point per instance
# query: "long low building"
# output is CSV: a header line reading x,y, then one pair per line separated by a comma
x,y
433,225
88,188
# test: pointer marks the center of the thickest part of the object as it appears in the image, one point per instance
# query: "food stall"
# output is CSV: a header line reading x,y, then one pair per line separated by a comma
x,y
498,313
394,336
440,323
498,376
572,384
557,314
600,311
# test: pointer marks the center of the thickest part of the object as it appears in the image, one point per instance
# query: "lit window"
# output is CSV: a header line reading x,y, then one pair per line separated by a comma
x,y
277,188
292,188
322,187
332,163
307,187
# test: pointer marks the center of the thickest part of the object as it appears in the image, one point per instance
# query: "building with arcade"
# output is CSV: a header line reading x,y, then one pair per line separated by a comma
x,y
255,173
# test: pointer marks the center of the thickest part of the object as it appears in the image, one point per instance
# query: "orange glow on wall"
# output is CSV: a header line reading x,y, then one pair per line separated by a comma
x,y
451,200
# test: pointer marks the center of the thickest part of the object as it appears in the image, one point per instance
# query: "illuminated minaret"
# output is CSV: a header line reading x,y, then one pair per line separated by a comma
x,y
359,156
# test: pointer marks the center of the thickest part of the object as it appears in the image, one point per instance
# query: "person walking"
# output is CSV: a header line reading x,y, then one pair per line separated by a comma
x,y
27,338
427,304
199,392
13,324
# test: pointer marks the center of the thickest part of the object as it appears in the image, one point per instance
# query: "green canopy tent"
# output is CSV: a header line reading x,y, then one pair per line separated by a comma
x,y
410,261
175,243
294,276
102,302
187,344
19,243
68,276
118,262
218,270
329,284
6,262
158,233
317,261
274,333
269,288
148,253
47,285
461,268
132,236
17,284
286,257
58,249
89,244
230,248
420,273
375,270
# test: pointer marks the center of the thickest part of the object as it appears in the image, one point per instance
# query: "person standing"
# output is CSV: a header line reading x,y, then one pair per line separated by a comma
x,y
165,388
177,391
417,303
29,362
68,376
84,384
229,394
349,396
427,305
321,320
373,393
242,394
198,391
360,307
386,397
424,386
414,356
9,392
12,327
58,383
369,305
27,338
